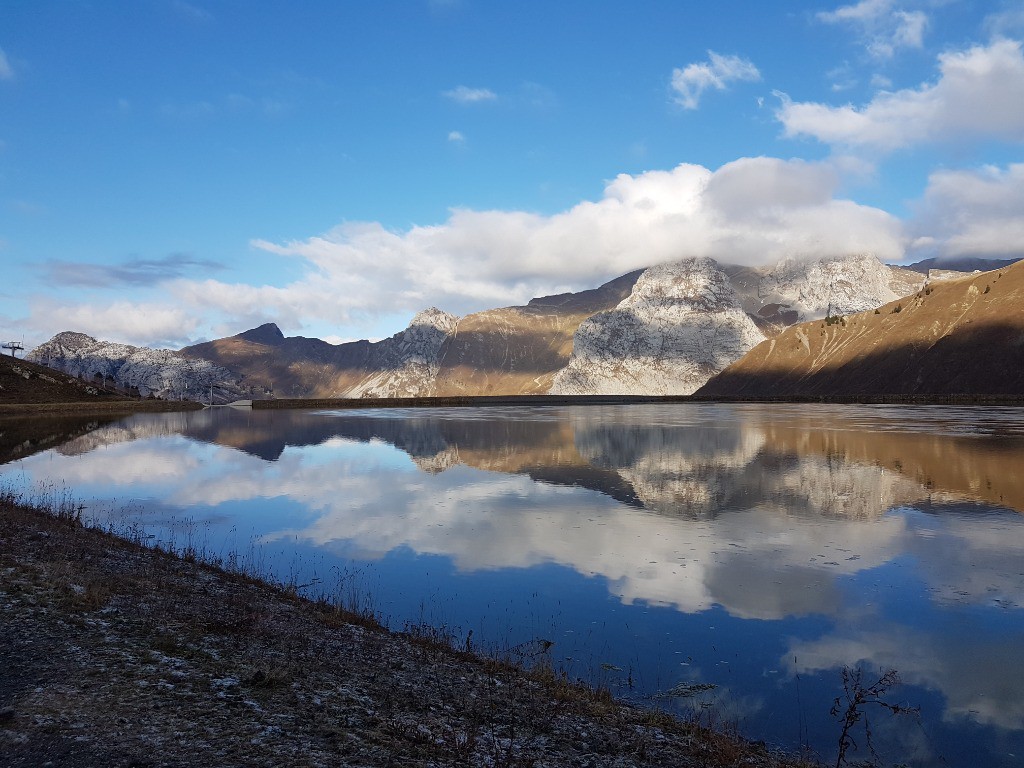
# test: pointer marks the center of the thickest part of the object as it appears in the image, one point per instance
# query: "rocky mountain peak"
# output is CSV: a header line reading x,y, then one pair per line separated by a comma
x,y
70,340
268,334
435,318
835,285
681,324
696,282
407,363
159,372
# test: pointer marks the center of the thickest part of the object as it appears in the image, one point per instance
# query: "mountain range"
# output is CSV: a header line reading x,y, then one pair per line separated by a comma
x,y
665,330
950,337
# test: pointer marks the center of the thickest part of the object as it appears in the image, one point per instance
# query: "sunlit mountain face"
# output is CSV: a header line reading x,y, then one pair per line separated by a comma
x,y
755,549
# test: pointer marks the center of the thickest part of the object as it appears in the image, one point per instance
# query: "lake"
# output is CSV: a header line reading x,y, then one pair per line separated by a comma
x,y
725,562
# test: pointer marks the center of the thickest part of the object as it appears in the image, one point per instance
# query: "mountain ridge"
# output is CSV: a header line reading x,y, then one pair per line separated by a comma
x,y
664,330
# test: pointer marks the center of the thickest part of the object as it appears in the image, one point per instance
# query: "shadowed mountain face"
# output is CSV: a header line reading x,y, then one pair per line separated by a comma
x,y
290,367
963,336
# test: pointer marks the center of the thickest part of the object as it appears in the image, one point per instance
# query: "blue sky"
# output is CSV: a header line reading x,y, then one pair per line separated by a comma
x,y
174,171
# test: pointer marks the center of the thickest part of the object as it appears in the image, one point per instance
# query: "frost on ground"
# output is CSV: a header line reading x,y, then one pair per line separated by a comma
x,y
116,655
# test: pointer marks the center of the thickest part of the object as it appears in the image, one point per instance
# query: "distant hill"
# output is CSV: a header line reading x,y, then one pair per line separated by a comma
x,y
960,264
963,336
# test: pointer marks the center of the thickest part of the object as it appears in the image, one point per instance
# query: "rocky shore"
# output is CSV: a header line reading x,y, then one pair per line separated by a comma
x,y
115,654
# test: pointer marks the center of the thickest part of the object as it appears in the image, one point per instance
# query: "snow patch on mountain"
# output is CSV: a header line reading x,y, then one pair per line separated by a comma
x,y
158,372
681,324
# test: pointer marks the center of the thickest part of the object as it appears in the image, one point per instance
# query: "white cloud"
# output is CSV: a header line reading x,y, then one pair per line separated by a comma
x,y
863,12
885,29
456,137
6,71
979,94
362,278
465,95
842,77
970,671
690,82
123,321
973,213
1005,23
753,210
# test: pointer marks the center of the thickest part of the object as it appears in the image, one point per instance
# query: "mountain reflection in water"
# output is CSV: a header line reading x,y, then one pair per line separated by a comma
x,y
764,545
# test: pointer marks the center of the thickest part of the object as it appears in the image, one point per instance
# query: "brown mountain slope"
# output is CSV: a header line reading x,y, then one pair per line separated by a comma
x,y
518,350
290,367
962,336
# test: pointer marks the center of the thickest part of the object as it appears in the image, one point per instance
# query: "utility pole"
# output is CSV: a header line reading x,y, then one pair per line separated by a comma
x,y
14,346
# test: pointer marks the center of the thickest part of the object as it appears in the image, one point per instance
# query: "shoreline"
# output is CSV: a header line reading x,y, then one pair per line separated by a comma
x,y
98,408
128,407
116,653
471,401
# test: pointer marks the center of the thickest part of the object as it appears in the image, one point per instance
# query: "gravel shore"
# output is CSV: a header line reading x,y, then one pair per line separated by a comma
x,y
114,654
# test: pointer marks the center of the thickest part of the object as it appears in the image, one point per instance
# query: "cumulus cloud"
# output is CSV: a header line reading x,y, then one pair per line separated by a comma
x,y
972,213
754,210
6,71
979,95
884,28
456,137
717,72
360,274
465,95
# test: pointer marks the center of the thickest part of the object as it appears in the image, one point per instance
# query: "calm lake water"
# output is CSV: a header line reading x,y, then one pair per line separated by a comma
x,y
724,560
